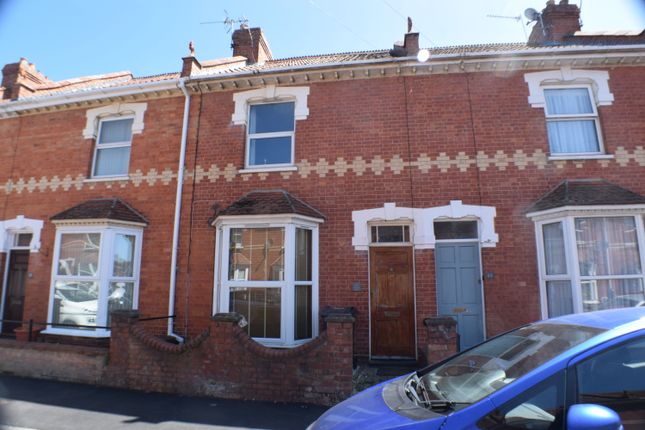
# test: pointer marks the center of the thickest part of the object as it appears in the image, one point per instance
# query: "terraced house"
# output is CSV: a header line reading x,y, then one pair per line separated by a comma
x,y
277,219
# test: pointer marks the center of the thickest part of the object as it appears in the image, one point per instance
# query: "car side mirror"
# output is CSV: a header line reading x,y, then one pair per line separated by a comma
x,y
592,417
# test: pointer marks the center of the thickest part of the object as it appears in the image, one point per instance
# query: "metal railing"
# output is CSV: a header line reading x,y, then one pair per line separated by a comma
x,y
31,323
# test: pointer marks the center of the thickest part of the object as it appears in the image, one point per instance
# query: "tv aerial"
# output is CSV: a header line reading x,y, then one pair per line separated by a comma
x,y
516,18
229,22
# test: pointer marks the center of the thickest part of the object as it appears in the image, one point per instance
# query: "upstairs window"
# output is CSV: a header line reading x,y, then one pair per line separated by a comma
x,y
112,151
270,135
572,121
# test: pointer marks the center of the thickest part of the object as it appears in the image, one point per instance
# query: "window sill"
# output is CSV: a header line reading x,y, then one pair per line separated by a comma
x,y
107,179
99,333
580,157
268,169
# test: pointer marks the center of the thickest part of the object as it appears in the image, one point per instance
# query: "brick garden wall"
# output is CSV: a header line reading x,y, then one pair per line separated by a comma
x,y
223,361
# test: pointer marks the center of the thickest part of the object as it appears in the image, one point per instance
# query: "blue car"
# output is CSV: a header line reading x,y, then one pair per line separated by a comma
x,y
583,371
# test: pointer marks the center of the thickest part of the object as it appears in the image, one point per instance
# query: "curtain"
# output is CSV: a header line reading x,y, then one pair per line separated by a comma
x,y
554,254
559,299
607,246
116,131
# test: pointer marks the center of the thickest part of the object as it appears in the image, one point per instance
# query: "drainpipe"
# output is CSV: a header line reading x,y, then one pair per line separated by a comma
x,y
175,233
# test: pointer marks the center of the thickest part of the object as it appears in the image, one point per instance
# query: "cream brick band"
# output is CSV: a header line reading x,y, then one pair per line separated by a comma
x,y
441,163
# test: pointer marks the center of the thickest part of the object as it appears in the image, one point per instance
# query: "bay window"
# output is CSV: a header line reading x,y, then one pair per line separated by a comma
x,y
268,273
591,262
95,271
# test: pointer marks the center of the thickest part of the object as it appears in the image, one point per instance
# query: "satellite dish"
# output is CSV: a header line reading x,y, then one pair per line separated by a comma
x,y
531,14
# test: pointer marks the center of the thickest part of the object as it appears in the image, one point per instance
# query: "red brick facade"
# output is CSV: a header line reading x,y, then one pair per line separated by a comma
x,y
390,131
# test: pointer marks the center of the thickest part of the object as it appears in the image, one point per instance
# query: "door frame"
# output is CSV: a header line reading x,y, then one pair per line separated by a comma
x,y
414,287
481,270
5,276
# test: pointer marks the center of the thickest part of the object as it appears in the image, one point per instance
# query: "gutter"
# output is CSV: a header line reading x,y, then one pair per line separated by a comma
x,y
181,84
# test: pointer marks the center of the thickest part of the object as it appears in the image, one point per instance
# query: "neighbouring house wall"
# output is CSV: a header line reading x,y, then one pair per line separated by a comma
x,y
45,163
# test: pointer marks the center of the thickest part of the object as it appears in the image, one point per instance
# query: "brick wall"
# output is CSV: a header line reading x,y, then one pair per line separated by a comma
x,y
415,141
53,361
224,362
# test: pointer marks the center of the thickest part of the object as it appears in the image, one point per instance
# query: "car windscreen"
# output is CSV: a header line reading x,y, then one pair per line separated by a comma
x,y
488,367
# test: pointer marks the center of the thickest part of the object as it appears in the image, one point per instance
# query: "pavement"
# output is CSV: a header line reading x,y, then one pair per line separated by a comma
x,y
32,404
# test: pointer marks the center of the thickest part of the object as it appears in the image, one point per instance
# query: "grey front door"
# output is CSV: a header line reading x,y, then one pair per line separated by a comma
x,y
459,289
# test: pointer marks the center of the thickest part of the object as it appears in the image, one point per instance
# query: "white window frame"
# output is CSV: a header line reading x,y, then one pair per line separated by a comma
x,y
567,217
103,277
223,285
122,144
575,117
249,136
397,223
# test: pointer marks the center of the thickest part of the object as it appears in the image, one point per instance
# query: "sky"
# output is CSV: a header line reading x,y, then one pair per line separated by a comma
x,y
71,38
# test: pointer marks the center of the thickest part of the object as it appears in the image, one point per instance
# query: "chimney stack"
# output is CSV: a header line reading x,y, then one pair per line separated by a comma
x,y
21,79
556,24
250,43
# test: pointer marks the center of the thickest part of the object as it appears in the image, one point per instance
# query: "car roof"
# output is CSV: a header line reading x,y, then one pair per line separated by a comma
x,y
609,319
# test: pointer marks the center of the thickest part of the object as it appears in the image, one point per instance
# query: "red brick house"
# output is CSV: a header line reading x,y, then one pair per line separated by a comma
x,y
495,184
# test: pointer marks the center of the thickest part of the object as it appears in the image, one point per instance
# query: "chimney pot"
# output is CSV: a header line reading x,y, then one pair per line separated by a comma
x,y
250,43
556,24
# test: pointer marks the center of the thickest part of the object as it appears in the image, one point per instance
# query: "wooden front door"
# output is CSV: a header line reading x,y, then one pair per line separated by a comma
x,y
392,302
15,290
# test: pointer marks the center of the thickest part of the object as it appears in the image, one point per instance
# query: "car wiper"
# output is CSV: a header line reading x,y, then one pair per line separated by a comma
x,y
418,392
444,405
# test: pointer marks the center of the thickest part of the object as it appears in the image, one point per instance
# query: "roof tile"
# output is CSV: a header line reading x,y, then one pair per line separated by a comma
x,y
111,208
270,202
586,192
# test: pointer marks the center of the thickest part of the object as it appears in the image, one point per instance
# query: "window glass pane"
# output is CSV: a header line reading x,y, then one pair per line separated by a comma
x,y
272,150
554,255
450,230
615,378
389,234
598,294
112,161
573,136
303,254
23,239
559,298
75,303
302,319
120,297
116,131
569,101
541,407
272,117
256,254
492,365
123,255
79,254
607,246
260,307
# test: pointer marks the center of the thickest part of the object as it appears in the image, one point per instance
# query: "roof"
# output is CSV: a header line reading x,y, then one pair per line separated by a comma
x,y
270,202
110,208
235,65
586,192
607,319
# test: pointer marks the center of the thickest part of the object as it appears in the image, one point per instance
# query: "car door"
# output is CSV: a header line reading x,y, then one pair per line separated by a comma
x,y
613,375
